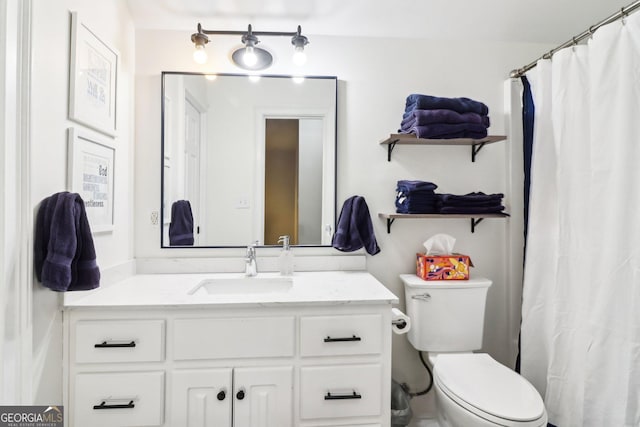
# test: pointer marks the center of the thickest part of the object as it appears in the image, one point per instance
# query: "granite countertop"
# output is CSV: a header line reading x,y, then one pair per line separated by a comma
x,y
176,290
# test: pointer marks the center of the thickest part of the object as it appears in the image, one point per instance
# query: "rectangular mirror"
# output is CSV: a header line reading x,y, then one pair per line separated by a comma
x,y
248,159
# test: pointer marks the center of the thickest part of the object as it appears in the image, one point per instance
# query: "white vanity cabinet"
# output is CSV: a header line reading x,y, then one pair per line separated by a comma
x,y
212,364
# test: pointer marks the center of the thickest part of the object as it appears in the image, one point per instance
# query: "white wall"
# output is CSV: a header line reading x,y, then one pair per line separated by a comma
x,y
49,88
11,231
372,90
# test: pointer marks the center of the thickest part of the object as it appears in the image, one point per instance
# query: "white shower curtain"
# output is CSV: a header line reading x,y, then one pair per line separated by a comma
x,y
580,339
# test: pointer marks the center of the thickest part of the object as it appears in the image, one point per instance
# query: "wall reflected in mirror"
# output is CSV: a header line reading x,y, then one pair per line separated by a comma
x,y
254,159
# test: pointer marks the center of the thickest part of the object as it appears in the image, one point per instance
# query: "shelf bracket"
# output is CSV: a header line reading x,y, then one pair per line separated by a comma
x,y
389,222
474,222
475,149
390,148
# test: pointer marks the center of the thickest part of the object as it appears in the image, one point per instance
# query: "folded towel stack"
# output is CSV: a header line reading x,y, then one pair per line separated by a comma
x,y
444,118
419,197
472,203
416,197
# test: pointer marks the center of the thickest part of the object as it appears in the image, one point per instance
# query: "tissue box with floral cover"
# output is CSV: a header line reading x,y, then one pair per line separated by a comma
x,y
443,267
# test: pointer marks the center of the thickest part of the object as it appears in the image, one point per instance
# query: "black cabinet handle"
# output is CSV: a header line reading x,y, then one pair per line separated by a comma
x,y
354,395
352,338
221,395
105,344
240,395
103,405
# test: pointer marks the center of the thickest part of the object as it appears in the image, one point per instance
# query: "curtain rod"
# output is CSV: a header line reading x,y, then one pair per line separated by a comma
x,y
624,12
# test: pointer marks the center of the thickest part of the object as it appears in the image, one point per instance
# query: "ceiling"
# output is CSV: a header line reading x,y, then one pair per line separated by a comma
x,y
528,21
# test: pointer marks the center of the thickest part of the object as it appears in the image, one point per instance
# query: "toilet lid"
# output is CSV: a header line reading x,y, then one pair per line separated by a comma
x,y
488,386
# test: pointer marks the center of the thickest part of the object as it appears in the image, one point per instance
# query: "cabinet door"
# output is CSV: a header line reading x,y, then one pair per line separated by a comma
x,y
262,397
201,398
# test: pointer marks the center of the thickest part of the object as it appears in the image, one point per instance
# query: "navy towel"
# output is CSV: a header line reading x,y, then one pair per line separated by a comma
x,y
181,227
409,186
471,198
471,209
427,117
461,105
64,254
448,131
354,229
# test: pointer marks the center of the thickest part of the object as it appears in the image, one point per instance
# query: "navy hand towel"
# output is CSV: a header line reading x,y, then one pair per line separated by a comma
x,y
181,227
64,254
354,229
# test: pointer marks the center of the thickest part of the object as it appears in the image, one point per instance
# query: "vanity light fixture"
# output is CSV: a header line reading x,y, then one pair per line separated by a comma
x,y
199,40
250,57
299,42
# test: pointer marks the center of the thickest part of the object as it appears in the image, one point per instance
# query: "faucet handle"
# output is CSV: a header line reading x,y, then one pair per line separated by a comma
x,y
251,248
285,241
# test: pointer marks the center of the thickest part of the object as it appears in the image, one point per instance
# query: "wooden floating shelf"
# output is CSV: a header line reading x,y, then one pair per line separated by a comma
x,y
475,218
411,139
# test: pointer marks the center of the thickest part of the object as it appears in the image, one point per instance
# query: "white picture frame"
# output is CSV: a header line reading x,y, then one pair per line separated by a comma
x,y
93,71
91,167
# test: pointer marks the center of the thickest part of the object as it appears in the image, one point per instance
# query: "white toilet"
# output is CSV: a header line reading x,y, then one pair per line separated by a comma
x,y
471,389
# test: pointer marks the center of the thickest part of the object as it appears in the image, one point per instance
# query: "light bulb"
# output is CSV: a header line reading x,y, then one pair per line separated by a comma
x,y
250,59
299,57
200,55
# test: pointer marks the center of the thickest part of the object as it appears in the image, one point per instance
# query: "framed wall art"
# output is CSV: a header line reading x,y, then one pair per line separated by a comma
x,y
93,79
91,174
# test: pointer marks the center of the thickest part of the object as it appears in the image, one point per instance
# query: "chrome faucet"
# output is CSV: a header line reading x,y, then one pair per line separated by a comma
x,y
251,268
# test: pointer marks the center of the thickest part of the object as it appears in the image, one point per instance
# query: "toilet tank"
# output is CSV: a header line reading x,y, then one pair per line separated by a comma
x,y
446,315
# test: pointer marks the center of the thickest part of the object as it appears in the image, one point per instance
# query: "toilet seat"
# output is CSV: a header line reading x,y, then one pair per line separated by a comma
x,y
489,390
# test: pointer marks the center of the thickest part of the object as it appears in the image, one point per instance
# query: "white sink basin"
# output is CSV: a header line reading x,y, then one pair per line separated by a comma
x,y
242,285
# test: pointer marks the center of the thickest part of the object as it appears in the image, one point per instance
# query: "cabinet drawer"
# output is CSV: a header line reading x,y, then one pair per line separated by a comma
x,y
119,399
340,335
340,391
111,341
223,338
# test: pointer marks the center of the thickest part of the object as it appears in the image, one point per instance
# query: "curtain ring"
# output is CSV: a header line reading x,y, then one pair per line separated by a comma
x,y
591,31
575,43
623,15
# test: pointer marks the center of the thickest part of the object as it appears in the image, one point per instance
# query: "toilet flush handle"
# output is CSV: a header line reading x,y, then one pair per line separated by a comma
x,y
422,297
